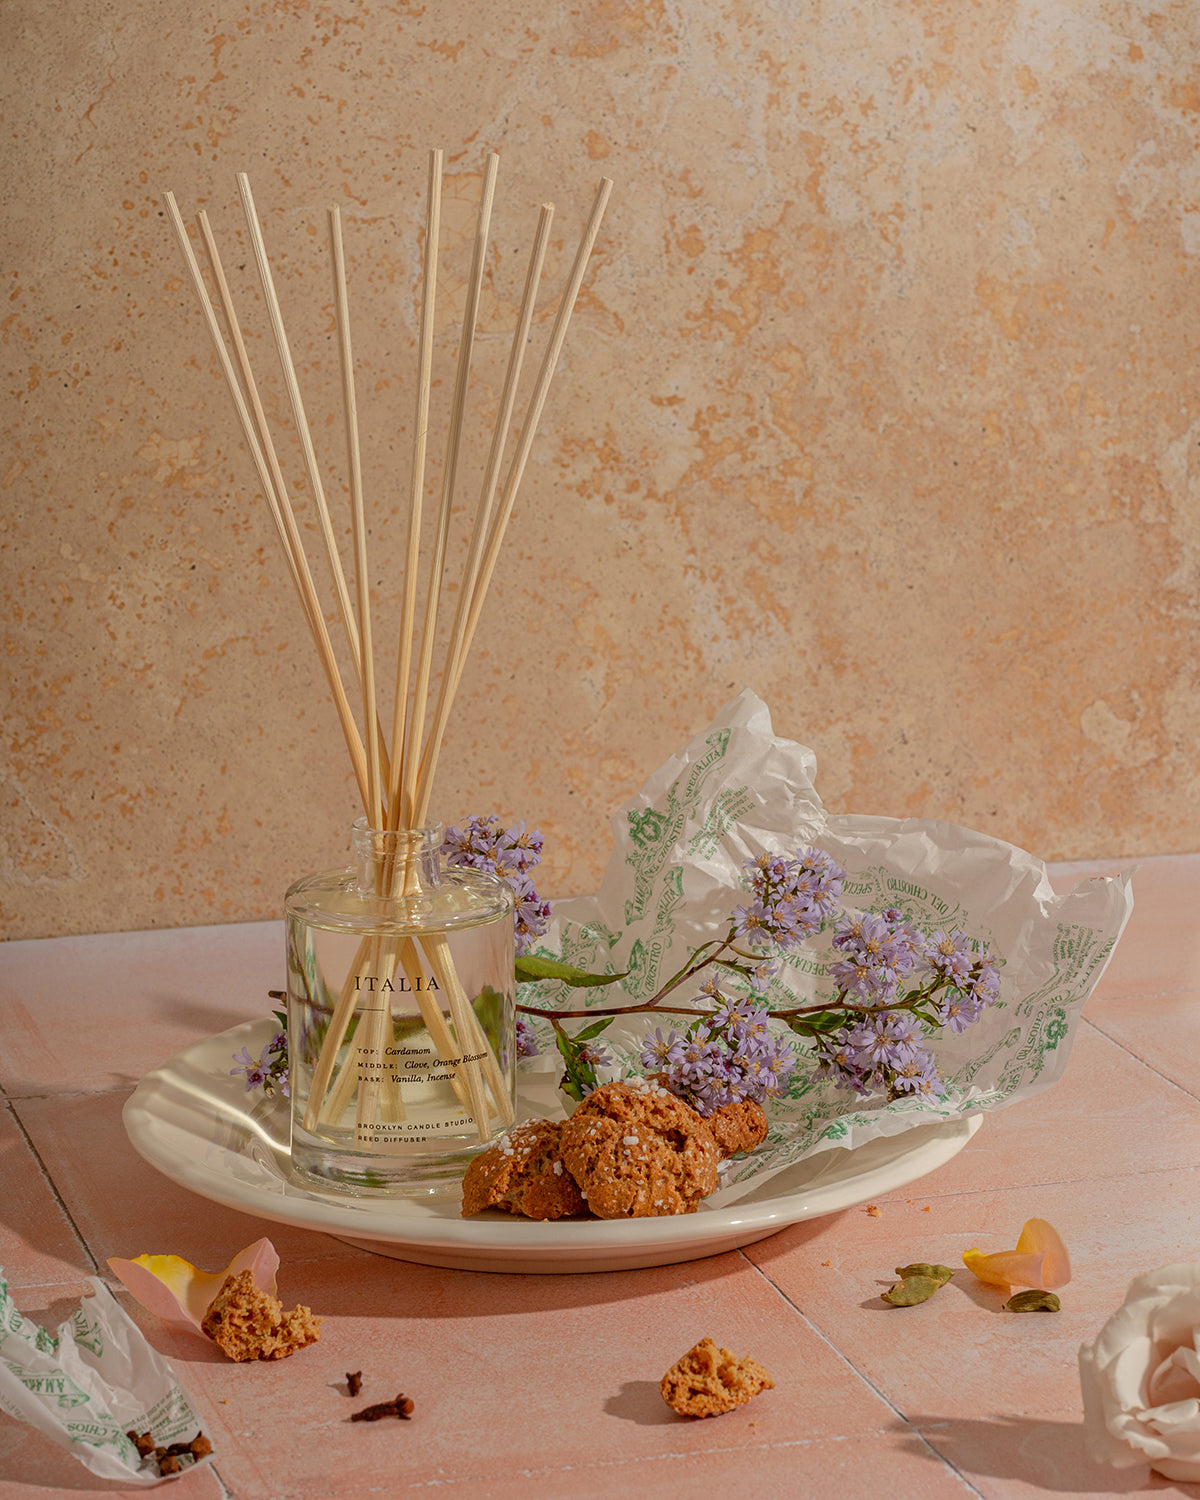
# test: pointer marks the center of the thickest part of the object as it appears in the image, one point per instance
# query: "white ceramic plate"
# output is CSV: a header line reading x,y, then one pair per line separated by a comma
x,y
195,1123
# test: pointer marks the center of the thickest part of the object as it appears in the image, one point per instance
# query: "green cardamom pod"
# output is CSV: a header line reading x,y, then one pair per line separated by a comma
x,y
1033,1301
911,1290
940,1274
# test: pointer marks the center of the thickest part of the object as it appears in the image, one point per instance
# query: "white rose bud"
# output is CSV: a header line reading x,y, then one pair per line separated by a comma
x,y
1141,1377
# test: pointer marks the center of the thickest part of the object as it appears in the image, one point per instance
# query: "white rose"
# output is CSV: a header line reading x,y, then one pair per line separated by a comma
x,y
1141,1377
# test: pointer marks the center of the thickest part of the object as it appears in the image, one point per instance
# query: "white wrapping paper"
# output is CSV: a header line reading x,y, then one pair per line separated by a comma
x,y
91,1383
676,874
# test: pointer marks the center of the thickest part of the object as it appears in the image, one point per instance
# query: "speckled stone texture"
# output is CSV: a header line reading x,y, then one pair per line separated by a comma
x,y
882,398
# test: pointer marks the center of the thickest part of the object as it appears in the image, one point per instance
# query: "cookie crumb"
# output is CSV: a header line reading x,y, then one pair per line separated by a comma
x,y
708,1381
246,1323
873,1210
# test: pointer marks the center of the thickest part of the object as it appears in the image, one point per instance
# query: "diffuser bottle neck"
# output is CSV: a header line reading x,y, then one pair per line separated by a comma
x,y
396,862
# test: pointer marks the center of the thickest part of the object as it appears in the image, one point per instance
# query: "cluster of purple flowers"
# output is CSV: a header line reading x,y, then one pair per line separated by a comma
x,y
268,1071
792,898
950,983
721,1058
526,1042
972,978
482,843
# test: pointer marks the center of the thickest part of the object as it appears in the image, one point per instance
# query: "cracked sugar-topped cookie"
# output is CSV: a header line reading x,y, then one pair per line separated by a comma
x,y
637,1151
523,1173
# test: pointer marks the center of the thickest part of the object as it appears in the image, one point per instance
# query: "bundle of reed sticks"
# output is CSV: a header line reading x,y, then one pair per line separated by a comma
x,y
395,775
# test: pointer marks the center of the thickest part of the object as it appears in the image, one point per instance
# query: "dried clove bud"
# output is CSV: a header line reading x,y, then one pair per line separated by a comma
x,y
1033,1301
170,1460
402,1406
354,1382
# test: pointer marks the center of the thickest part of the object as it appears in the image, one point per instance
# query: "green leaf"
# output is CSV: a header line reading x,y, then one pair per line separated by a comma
x,y
911,1290
531,967
1033,1301
594,1029
826,1020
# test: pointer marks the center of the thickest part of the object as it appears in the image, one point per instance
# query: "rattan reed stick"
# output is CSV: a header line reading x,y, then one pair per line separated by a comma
x,y
456,654
433,596
376,811
416,488
280,511
525,443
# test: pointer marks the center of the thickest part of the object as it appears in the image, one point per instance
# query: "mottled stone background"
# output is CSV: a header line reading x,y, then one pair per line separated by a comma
x,y
882,398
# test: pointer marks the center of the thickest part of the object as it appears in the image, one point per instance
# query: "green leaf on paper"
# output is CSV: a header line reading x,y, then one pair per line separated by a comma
x,y
531,967
594,1030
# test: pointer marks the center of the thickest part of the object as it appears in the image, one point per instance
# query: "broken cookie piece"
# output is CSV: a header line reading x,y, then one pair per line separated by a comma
x,y
523,1173
708,1381
247,1323
741,1126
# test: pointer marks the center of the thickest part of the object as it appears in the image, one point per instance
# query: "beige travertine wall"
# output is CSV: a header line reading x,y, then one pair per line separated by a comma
x,y
882,398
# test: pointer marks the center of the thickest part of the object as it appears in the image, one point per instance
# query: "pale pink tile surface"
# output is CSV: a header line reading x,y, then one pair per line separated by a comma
x,y
513,1372
98,1012
1163,1031
122,1206
1108,1106
37,1242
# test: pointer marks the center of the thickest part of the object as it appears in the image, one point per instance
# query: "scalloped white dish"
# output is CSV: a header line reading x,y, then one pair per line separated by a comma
x,y
193,1122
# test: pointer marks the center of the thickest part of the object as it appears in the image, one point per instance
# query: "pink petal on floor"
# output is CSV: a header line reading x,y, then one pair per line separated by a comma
x,y
175,1291
1039,1236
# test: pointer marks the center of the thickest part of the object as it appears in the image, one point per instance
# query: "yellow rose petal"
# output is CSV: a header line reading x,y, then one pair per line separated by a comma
x,y
1039,1261
175,1291
1006,1267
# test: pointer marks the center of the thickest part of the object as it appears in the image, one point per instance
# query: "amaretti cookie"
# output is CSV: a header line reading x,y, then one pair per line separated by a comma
x,y
523,1173
708,1381
637,1151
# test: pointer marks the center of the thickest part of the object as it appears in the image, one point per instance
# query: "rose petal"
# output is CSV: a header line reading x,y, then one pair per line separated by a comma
x,y
1176,1379
1040,1260
1006,1267
175,1291
1039,1236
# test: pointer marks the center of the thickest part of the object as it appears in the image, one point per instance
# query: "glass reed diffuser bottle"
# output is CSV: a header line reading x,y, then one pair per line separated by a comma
x,y
401,1016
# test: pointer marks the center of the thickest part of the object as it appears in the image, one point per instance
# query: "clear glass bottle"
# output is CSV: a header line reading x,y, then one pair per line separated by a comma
x,y
401,1016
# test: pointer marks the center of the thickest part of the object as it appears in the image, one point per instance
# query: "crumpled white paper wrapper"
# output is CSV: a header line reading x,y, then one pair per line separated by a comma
x,y
91,1383
676,874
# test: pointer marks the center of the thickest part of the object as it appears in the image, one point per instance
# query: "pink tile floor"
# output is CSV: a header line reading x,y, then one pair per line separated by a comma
x,y
548,1385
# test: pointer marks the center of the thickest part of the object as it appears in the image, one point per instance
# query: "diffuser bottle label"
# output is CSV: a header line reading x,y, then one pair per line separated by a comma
x,y
412,1094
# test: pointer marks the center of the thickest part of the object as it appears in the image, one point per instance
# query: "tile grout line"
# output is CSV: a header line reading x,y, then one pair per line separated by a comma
x,y
866,1380
49,1181
1150,1068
